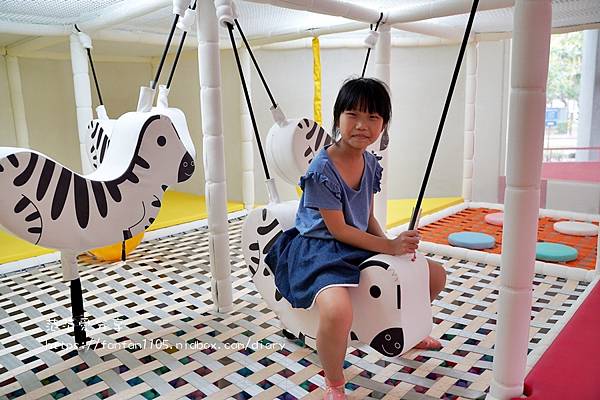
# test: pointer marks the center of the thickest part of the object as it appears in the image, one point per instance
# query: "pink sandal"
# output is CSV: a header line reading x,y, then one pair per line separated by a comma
x,y
334,390
429,343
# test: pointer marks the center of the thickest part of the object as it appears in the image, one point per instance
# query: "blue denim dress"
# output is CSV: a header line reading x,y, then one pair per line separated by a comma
x,y
307,259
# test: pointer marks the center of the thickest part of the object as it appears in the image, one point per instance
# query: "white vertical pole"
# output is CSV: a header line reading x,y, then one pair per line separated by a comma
x,y
383,55
469,137
247,138
17,101
209,62
531,45
83,97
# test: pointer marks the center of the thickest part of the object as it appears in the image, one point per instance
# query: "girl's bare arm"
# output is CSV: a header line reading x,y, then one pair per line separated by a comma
x,y
407,242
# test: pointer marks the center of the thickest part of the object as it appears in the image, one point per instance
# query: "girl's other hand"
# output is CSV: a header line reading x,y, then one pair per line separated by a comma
x,y
406,242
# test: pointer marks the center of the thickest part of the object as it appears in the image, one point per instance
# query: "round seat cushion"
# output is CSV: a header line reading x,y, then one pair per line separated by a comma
x,y
472,240
495,218
555,252
576,228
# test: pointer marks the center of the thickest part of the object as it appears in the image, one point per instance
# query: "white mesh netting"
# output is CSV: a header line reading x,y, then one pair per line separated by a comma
x,y
53,12
262,20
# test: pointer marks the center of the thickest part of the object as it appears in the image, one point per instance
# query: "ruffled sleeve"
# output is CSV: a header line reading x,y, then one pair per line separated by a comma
x,y
321,191
377,177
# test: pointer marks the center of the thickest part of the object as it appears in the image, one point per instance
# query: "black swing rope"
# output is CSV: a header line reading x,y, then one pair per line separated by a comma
x,y
463,46
369,49
164,54
89,54
248,101
179,49
260,74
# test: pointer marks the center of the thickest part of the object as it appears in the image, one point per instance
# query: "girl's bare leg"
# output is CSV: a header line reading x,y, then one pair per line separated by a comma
x,y
335,321
437,279
437,283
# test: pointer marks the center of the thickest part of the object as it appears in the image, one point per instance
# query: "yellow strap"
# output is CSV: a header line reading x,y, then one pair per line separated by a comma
x,y
317,80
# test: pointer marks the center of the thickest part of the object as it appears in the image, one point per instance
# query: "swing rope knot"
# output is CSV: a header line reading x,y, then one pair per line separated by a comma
x,y
226,12
371,39
188,20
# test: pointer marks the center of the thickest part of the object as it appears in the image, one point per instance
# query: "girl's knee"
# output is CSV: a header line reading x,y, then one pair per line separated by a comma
x,y
437,275
339,318
335,308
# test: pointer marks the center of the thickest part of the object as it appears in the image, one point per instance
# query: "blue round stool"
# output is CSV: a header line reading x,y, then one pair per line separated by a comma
x,y
555,252
472,240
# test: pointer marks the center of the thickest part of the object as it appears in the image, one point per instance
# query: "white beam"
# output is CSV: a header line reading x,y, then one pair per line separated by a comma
x,y
430,29
336,8
47,55
284,35
442,8
530,53
23,48
336,43
17,28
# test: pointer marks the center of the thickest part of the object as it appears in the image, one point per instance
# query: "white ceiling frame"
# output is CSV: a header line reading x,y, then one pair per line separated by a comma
x,y
337,8
442,8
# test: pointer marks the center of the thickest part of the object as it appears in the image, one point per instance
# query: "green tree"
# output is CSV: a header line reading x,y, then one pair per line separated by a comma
x,y
564,72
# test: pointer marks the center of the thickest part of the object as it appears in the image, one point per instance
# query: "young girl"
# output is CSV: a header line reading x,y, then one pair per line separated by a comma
x,y
335,228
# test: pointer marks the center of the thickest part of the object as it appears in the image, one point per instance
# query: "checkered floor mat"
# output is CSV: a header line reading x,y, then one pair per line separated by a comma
x,y
154,334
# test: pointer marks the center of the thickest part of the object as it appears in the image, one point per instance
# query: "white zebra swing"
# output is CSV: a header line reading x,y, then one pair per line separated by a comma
x,y
150,150
396,286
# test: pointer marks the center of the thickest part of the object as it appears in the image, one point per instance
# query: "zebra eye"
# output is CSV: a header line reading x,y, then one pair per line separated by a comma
x,y
161,140
375,291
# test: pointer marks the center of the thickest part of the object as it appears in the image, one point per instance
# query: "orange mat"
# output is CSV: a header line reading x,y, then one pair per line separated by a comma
x,y
472,220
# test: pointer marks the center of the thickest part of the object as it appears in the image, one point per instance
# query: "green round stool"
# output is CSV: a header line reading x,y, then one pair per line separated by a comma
x,y
555,252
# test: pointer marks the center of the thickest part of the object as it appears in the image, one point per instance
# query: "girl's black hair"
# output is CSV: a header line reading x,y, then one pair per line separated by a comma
x,y
363,94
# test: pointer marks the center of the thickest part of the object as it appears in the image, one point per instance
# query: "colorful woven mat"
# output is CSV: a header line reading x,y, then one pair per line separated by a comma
x,y
155,334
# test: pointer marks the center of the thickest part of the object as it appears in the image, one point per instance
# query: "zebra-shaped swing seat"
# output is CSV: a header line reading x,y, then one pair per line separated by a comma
x,y
392,311
46,203
391,307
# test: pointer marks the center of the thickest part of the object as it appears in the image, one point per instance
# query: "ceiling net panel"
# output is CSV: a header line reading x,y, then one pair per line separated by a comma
x,y
53,12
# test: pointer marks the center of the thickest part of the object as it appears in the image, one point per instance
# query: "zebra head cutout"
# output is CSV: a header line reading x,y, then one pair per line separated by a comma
x,y
46,203
292,146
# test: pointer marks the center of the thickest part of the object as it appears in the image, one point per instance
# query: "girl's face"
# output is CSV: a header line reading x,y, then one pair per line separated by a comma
x,y
360,129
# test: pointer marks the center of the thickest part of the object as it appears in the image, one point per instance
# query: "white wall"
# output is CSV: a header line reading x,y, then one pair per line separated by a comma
x,y
7,125
490,119
420,81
